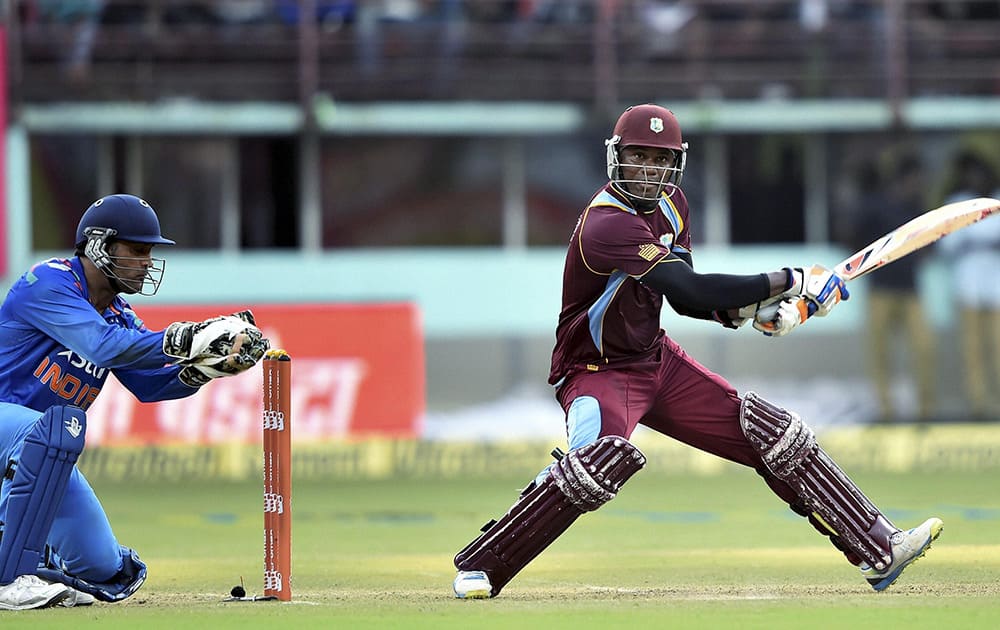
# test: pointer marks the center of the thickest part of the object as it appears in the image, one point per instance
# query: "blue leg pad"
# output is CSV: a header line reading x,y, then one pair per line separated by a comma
x,y
40,475
121,585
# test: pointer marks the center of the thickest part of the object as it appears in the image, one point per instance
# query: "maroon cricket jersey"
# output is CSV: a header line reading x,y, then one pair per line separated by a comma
x,y
607,314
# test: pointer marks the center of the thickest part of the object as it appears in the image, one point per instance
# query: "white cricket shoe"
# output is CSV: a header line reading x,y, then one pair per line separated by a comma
x,y
907,547
77,598
472,585
31,591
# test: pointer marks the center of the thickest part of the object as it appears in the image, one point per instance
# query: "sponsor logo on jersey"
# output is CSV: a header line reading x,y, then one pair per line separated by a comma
x,y
78,361
67,385
649,251
667,240
656,124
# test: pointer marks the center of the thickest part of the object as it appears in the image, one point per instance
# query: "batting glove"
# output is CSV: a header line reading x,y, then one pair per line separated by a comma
x,y
737,317
821,288
779,319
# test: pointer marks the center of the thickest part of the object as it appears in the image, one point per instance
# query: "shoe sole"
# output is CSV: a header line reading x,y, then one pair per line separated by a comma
x,y
884,583
57,600
74,600
475,594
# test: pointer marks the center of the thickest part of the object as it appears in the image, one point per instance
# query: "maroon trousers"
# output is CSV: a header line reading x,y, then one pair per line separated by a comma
x,y
675,395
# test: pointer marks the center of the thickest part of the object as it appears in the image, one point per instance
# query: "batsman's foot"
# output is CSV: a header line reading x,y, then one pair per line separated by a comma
x,y
31,591
907,547
472,585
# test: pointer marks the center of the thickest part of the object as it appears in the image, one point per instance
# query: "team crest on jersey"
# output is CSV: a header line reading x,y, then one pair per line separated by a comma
x,y
649,251
667,240
656,124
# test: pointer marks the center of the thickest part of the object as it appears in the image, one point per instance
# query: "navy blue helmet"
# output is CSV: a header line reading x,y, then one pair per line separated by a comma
x,y
131,218
122,218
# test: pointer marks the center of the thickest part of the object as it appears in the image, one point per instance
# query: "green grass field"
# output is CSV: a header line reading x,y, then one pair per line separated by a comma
x,y
669,552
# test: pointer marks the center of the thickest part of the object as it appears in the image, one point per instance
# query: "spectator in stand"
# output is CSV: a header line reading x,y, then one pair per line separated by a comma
x,y
243,11
85,17
431,33
976,10
329,13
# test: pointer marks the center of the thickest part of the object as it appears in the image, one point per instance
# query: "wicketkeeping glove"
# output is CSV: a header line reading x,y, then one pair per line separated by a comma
x,y
219,346
191,376
201,372
821,288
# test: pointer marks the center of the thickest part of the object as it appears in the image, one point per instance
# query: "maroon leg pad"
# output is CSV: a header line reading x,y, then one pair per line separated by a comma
x,y
802,510
833,503
583,480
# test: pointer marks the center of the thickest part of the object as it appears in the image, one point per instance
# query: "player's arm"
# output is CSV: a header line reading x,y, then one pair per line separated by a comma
x,y
730,318
165,383
727,318
682,309
54,305
610,239
200,351
812,291
696,292
607,238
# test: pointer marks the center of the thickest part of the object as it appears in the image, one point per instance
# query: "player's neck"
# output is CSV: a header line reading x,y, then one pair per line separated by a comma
x,y
100,294
101,297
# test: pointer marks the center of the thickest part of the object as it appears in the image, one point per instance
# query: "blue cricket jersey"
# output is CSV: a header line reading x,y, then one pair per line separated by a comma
x,y
56,349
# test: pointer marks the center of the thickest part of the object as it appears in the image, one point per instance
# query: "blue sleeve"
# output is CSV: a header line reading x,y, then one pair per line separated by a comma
x,y
154,385
53,303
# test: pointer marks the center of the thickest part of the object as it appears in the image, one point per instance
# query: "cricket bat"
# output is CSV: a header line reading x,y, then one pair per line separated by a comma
x,y
916,234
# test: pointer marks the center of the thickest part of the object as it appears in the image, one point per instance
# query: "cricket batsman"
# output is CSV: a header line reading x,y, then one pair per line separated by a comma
x,y
64,326
613,368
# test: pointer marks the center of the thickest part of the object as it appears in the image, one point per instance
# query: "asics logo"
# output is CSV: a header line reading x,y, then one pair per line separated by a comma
x,y
74,427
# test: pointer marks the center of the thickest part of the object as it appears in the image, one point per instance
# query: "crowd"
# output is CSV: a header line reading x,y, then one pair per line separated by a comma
x,y
820,33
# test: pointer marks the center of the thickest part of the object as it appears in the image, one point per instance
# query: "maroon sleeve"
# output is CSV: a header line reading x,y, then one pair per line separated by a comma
x,y
611,238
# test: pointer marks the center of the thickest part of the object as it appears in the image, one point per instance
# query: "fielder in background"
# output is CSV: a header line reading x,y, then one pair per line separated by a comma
x,y
63,328
614,368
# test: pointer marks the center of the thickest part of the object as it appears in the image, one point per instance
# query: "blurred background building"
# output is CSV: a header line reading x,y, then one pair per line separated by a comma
x,y
439,152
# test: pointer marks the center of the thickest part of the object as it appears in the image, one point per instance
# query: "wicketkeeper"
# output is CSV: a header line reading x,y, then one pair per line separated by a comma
x,y
614,368
64,326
